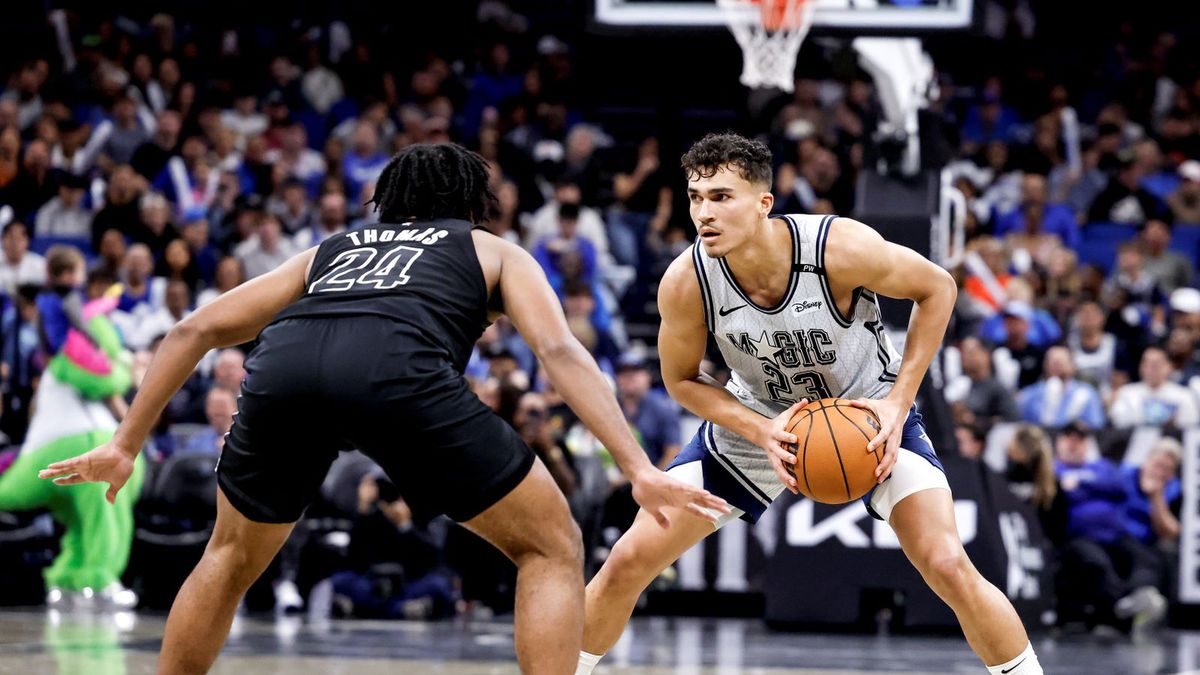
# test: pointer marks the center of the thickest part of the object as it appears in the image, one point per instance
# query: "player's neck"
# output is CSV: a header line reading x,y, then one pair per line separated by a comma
x,y
765,258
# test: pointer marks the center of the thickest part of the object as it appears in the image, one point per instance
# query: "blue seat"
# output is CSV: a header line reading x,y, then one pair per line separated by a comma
x,y
40,245
1099,252
1185,240
1118,233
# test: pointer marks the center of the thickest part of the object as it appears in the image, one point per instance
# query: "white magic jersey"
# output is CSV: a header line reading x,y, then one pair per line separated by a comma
x,y
800,348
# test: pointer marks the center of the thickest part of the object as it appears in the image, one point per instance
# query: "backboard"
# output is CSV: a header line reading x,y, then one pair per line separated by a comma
x,y
874,15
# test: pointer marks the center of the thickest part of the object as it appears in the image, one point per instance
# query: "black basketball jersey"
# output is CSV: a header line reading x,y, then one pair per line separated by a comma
x,y
423,275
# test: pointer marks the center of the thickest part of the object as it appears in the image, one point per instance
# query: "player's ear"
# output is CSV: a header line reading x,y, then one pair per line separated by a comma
x,y
766,203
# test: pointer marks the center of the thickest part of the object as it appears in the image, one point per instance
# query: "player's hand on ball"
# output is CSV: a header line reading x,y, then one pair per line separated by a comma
x,y
654,489
781,445
106,464
892,415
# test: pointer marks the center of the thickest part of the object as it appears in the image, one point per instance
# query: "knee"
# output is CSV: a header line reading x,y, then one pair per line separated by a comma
x,y
626,568
231,564
949,572
560,542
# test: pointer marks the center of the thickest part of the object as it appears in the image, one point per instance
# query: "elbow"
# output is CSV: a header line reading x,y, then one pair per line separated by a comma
x,y
556,348
947,285
191,332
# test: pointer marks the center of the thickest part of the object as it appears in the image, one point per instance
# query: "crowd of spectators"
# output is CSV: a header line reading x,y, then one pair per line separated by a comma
x,y
183,163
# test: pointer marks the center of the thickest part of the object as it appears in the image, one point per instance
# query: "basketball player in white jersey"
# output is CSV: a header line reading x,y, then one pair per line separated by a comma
x,y
791,302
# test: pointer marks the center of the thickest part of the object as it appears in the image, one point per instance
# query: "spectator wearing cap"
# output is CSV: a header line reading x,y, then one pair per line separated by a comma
x,y
653,415
19,265
1041,327
1017,360
1103,567
977,398
1037,215
1059,399
1170,269
64,217
1155,400
1185,200
1124,200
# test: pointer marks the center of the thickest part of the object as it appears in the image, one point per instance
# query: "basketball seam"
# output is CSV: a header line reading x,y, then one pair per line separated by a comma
x,y
860,430
837,451
804,459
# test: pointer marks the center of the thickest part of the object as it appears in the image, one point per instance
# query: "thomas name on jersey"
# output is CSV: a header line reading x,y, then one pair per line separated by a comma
x,y
370,235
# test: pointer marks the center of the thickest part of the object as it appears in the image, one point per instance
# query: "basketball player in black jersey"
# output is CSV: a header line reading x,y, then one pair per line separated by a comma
x,y
362,343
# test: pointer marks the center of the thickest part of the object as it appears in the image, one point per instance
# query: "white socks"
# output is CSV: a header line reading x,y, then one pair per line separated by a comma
x,y
1025,663
588,661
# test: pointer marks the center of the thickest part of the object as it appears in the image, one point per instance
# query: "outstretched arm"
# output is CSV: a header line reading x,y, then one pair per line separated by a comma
x,y
535,311
235,317
857,256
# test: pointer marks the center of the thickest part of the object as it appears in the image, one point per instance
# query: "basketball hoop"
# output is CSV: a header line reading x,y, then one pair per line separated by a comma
x,y
770,33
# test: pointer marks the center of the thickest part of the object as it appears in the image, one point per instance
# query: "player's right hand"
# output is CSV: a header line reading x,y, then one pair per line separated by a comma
x,y
780,445
653,489
106,464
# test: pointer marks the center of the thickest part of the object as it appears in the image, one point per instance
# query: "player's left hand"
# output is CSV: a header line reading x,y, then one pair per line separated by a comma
x,y
892,415
106,464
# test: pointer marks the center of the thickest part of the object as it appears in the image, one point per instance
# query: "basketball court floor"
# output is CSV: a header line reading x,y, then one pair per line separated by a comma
x,y
42,642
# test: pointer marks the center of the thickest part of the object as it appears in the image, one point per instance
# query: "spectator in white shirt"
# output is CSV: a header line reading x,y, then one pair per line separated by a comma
x,y
1155,400
268,248
18,265
544,222
64,216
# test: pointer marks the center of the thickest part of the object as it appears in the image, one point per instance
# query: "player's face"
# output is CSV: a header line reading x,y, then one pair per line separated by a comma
x,y
726,210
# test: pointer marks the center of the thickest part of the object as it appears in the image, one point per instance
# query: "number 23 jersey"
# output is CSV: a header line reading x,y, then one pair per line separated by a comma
x,y
802,347
423,275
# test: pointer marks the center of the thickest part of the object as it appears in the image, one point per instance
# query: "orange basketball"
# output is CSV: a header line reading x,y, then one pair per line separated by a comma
x,y
832,463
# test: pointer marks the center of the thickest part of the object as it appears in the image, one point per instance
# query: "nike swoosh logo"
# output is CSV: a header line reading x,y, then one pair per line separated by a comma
x,y
1014,667
727,312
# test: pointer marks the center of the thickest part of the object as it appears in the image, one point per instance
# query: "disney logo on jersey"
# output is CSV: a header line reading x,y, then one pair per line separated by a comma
x,y
807,305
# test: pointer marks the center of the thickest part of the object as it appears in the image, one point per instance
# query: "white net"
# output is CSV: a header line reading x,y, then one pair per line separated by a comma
x,y
769,53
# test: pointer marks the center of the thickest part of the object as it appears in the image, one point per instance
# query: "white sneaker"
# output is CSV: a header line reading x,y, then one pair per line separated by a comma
x,y
287,598
1144,605
116,596
57,598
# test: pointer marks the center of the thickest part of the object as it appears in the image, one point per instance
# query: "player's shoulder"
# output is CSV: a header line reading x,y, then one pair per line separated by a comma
x,y
680,286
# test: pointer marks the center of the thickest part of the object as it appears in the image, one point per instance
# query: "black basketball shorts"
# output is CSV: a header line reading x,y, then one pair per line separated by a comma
x,y
318,386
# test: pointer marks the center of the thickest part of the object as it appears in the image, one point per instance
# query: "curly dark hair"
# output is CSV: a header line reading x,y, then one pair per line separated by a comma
x,y
432,181
714,151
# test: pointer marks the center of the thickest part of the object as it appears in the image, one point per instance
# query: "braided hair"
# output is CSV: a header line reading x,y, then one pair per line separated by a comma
x,y
432,181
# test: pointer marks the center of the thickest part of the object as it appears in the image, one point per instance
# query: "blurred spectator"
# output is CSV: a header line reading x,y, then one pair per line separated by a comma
x,y
19,361
228,276
363,162
121,210
302,163
1018,361
544,224
229,371
291,207
1155,400
977,398
639,193
204,255
123,135
1053,218
505,222
266,250
1155,495
144,327
990,120
111,254
154,228
1106,575
1078,187
567,256
1094,351
652,414
1041,329
177,265
64,217
243,118
19,265
972,439
1124,200
143,295
395,563
36,183
1170,269
1132,285
1185,200
1031,477
151,158
330,221
1059,399
219,408
531,420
